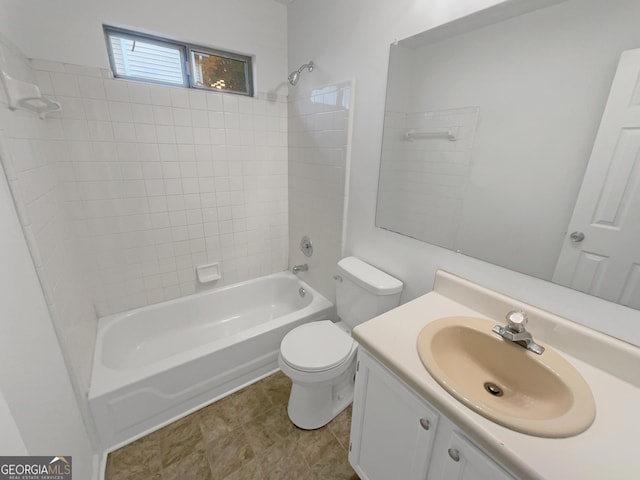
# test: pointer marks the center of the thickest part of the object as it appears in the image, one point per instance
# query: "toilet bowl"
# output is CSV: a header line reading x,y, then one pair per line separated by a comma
x,y
320,357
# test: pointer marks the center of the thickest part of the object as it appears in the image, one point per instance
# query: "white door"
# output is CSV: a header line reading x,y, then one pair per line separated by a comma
x,y
601,254
466,462
392,430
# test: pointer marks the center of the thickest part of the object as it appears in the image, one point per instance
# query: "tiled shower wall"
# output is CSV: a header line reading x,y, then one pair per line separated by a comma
x,y
319,145
158,180
31,152
423,181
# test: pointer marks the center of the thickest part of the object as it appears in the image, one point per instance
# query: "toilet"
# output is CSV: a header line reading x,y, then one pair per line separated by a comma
x,y
320,357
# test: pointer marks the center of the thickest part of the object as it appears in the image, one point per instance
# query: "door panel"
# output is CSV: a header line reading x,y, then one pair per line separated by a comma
x,y
607,210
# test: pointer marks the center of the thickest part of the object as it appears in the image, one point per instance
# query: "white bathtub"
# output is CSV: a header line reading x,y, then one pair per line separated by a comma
x,y
157,363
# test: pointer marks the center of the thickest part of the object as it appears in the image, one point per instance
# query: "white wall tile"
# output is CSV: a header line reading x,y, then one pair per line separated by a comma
x,y
123,132
82,70
182,117
200,118
116,90
65,85
120,111
180,97
43,80
146,165
316,165
92,88
139,93
145,133
184,135
214,102
166,134
96,109
33,152
142,113
160,95
198,99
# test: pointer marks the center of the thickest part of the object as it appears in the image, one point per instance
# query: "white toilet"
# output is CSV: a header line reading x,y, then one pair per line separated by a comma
x,y
320,357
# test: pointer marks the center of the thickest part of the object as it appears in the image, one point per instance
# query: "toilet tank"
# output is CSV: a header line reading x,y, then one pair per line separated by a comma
x,y
364,292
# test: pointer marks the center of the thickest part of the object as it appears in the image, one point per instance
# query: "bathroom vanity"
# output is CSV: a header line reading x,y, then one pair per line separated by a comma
x,y
396,433
406,425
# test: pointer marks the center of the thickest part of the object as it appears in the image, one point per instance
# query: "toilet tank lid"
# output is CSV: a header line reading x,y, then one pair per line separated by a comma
x,y
368,277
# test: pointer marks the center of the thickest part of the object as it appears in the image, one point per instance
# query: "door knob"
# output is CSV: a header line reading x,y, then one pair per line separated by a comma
x,y
576,237
454,454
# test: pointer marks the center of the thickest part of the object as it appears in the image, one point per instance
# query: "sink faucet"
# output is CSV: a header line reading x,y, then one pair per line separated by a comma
x,y
300,268
515,331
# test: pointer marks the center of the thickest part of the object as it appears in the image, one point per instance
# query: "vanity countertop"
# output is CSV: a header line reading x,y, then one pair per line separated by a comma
x,y
608,449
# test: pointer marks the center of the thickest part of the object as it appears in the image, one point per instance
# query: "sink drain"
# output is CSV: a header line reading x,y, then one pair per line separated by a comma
x,y
493,389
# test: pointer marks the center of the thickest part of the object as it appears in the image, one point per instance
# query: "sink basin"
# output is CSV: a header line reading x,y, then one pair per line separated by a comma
x,y
542,395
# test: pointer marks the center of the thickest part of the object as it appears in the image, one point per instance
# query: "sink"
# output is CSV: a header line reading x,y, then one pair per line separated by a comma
x,y
542,395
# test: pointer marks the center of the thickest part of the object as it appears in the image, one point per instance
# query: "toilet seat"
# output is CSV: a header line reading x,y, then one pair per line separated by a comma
x,y
316,346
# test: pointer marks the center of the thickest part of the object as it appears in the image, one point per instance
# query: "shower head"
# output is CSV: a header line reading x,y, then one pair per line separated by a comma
x,y
295,75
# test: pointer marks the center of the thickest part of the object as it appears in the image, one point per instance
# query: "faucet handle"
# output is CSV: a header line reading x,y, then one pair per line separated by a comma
x,y
517,319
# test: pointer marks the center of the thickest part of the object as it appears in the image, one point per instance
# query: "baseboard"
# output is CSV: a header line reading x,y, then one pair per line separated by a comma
x,y
99,465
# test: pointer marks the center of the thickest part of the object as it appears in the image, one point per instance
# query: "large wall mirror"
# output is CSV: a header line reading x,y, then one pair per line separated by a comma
x,y
489,134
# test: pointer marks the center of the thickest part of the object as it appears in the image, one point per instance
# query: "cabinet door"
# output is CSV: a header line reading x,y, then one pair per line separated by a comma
x,y
466,462
392,430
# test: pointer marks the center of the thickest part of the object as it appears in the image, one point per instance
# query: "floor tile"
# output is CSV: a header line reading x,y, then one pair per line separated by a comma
x,y
228,453
333,464
218,419
251,402
341,427
138,460
277,387
178,440
245,436
282,462
193,466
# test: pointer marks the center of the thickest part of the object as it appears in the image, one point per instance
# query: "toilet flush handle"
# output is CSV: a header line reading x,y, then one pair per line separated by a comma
x,y
337,278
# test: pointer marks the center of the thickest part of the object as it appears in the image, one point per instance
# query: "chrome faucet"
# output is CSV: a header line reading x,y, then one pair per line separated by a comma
x,y
515,331
300,268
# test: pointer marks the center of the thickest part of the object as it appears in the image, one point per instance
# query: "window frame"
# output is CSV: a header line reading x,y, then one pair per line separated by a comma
x,y
186,50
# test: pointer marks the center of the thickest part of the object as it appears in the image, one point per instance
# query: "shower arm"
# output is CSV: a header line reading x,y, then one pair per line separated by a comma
x,y
306,65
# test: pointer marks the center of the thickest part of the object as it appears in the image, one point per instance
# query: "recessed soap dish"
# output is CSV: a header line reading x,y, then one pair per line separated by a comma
x,y
208,273
27,95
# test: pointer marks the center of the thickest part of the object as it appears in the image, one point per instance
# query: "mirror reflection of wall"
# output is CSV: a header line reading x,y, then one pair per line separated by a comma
x,y
524,99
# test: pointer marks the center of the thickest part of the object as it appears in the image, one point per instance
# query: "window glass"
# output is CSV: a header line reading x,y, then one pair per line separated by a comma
x,y
219,72
142,57
139,58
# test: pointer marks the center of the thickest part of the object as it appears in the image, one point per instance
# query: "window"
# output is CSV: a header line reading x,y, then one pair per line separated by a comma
x,y
135,56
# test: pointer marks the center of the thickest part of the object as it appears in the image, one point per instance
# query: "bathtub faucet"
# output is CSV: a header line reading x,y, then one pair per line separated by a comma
x,y
300,268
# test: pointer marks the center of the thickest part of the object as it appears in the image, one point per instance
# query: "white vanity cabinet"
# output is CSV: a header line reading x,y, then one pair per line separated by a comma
x,y
462,460
395,434
392,429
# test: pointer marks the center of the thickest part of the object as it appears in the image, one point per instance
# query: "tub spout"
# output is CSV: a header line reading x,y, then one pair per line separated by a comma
x,y
300,268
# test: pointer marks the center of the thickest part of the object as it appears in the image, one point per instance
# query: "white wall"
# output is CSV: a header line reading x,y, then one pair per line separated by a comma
x,y
70,31
351,40
30,152
11,442
33,377
541,81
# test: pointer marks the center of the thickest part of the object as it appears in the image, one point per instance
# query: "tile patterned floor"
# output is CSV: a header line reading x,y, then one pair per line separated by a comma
x,y
245,436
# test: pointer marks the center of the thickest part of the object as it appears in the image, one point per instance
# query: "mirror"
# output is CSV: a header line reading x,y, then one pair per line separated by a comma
x,y
488,134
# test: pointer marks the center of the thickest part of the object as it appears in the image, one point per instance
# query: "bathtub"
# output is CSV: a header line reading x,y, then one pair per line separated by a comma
x,y
157,363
